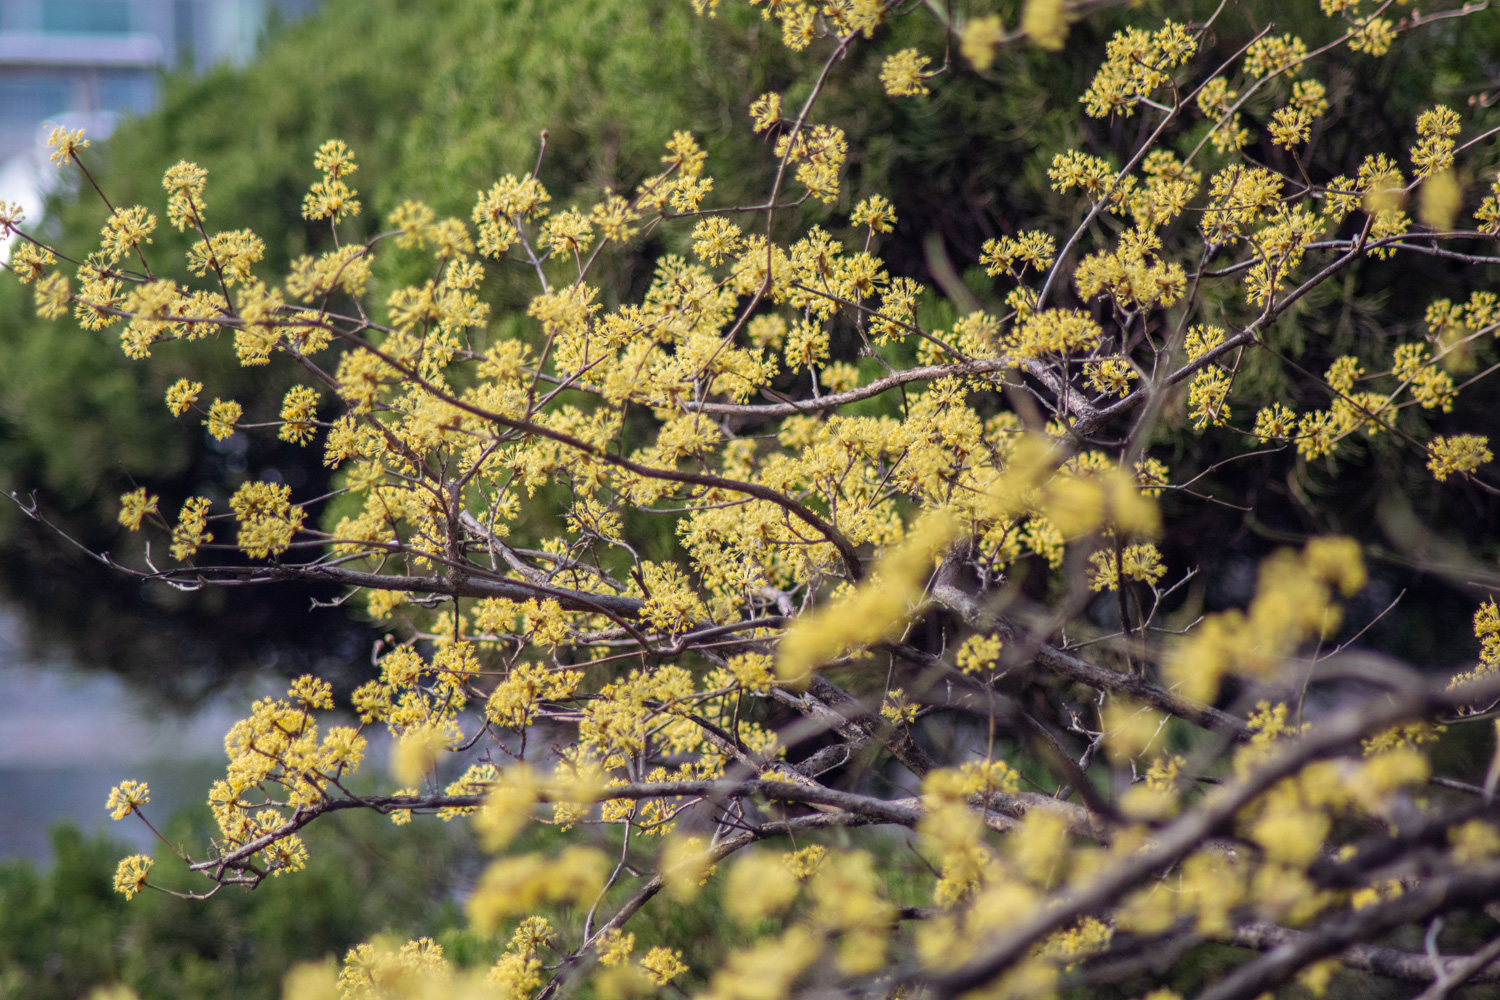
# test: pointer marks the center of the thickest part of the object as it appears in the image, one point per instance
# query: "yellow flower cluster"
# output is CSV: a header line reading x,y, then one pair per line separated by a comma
x,y
298,409
1133,275
981,37
1112,376
131,874
1435,151
65,144
901,74
1046,23
1135,562
135,507
1374,36
518,972
1272,55
30,262
514,700
522,883
182,395
277,764
1432,388
185,182
268,519
345,269
331,197
191,530
51,295
819,152
1071,169
1031,249
1291,126
374,970
1487,631
876,610
979,653
127,797
853,475
1457,454
230,256
1294,602
1136,64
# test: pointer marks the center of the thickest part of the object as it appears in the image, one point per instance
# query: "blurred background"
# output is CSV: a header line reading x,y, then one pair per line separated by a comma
x,y
103,678
89,64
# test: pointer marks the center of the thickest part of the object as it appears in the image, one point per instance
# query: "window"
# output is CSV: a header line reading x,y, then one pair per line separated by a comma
x,y
25,99
128,92
90,17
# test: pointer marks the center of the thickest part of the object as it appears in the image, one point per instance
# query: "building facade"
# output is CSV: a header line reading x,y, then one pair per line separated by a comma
x,y
95,59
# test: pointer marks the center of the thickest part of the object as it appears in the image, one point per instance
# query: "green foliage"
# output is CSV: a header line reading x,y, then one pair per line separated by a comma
x,y
64,930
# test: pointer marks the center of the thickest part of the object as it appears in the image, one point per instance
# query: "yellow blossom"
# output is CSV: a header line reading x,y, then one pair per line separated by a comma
x,y
1458,454
127,797
135,507
663,964
901,74
222,417
130,875
981,37
1046,22
65,144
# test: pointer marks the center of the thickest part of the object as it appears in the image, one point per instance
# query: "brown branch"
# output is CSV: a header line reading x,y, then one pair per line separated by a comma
x,y
721,850
852,563
868,810
1449,891
1388,962
1076,668
1180,838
